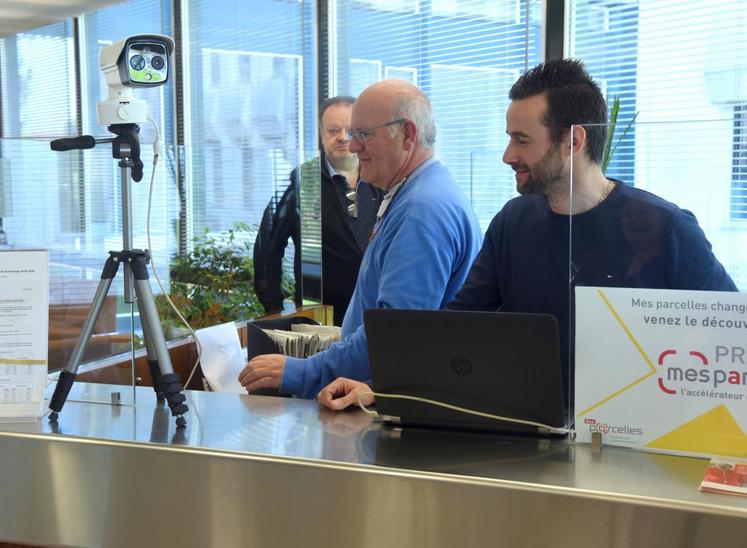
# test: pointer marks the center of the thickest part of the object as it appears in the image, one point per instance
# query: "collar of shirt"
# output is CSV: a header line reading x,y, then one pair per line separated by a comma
x,y
392,191
333,173
330,168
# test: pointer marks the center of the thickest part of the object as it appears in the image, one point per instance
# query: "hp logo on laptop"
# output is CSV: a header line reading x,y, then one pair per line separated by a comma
x,y
461,366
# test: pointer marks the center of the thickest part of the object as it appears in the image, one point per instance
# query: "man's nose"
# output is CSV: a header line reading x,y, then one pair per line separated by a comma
x,y
354,145
509,155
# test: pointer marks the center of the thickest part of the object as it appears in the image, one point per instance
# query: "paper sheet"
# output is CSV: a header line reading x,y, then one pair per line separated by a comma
x,y
222,357
24,313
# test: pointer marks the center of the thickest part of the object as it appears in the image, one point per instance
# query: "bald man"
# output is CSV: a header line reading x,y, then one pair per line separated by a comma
x,y
422,245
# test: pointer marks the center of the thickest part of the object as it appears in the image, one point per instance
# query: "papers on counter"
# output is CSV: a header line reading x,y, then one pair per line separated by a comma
x,y
222,358
304,340
24,325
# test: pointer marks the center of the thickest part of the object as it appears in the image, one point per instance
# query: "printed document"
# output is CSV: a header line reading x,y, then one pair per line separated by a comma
x,y
24,313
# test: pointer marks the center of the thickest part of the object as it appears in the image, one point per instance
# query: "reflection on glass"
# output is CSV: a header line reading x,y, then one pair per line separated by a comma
x,y
661,229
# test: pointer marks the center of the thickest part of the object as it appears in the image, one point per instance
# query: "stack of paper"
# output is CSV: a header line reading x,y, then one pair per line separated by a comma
x,y
304,340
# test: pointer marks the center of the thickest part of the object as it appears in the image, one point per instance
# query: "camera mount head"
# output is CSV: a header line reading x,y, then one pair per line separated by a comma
x,y
139,61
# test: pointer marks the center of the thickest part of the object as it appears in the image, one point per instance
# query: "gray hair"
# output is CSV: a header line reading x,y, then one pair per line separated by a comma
x,y
414,105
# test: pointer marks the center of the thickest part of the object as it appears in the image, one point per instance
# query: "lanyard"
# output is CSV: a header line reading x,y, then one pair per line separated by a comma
x,y
385,205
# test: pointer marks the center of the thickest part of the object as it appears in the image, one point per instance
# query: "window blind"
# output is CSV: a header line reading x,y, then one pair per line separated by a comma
x,y
251,87
682,66
465,55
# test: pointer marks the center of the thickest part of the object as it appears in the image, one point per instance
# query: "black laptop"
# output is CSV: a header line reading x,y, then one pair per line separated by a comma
x,y
501,363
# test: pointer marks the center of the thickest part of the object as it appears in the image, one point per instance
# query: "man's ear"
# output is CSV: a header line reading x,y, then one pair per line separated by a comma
x,y
576,140
410,131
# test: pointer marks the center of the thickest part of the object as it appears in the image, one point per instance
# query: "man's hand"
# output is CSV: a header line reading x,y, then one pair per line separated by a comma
x,y
343,392
264,371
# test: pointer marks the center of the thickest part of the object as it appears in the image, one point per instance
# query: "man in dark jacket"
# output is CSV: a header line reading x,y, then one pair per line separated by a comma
x,y
348,212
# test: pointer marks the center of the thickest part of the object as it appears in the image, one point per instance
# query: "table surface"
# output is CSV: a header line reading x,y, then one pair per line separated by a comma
x,y
286,428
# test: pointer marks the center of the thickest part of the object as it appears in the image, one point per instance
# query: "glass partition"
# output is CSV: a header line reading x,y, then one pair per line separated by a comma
x,y
45,206
311,245
656,311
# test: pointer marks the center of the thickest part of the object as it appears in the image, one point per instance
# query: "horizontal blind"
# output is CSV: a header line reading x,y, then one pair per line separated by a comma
x,y
251,111
465,55
682,66
37,82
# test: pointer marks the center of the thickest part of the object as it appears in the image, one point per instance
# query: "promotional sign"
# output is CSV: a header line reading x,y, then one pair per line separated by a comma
x,y
24,313
662,370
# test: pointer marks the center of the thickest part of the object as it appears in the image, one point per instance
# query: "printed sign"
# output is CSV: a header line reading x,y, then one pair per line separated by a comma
x,y
662,370
24,312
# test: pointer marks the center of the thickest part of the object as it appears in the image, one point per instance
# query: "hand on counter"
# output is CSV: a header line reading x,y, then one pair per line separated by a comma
x,y
264,371
343,392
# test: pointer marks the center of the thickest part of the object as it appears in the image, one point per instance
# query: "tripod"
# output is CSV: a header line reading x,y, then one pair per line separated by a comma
x,y
166,383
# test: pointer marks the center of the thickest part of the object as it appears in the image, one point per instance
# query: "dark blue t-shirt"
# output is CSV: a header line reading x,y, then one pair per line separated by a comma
x,y
632,239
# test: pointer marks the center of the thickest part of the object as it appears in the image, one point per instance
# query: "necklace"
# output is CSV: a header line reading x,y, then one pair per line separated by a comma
x,y
610,186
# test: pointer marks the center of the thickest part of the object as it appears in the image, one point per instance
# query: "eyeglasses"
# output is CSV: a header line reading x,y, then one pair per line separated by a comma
x,y
352,208
362,135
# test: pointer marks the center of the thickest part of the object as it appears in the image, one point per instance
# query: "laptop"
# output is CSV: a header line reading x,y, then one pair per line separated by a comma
x,y
501,363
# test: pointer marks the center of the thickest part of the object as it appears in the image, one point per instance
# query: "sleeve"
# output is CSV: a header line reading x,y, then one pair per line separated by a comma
x,y
481,291
415,270
692,259
278,224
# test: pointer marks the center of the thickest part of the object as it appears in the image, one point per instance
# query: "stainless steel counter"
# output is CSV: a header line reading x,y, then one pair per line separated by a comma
x,y
259,471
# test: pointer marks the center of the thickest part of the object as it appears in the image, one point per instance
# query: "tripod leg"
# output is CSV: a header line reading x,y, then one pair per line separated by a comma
x,y
155,373
67,377
167,381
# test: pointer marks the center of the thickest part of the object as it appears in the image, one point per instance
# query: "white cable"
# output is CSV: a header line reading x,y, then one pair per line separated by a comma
x,y
156,151
551,429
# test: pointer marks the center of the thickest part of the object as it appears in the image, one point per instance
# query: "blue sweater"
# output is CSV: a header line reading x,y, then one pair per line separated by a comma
x,y
419,257
632,239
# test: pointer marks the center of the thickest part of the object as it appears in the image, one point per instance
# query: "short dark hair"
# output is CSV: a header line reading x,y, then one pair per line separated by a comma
x,y
572,98
339,100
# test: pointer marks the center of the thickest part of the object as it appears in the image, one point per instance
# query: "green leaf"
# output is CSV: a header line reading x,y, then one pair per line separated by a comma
x,y
609,148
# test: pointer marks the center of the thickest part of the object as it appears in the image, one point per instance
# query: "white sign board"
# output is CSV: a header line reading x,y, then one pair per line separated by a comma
x,y
24,324
662,370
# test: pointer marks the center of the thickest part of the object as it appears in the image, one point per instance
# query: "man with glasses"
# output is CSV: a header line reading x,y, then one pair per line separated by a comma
x,y
422,245
348,210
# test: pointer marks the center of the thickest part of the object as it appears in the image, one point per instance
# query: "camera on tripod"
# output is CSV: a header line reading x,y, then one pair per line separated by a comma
x,y
135,62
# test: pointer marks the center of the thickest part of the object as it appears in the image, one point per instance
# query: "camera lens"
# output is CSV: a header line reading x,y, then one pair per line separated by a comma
x,y
137,62
157,62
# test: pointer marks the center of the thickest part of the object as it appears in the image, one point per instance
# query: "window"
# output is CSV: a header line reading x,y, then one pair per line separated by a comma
x,y
465,54
739,164
673,62
40,188
251,113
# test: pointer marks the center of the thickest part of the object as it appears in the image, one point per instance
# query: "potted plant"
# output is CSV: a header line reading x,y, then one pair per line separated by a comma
x,y
214,283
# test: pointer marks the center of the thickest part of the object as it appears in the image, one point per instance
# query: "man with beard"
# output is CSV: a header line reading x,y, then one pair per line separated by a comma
x,y
621,236
348,212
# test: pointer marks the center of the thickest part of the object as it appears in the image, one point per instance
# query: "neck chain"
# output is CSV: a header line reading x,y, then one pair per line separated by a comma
x,y
607,190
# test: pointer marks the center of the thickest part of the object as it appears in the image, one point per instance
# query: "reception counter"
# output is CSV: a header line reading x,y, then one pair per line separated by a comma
x,y
262,471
